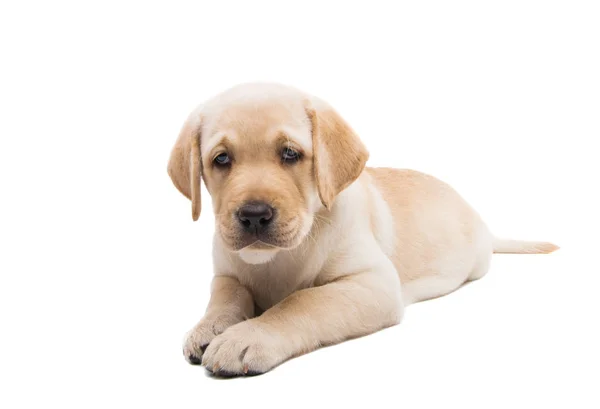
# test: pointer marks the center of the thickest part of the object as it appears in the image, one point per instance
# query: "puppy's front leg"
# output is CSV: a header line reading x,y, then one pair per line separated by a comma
x,y
230,303
348,307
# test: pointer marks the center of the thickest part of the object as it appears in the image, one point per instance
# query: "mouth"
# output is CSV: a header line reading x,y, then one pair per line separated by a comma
x,y
260,245
258,252
260,242
273,238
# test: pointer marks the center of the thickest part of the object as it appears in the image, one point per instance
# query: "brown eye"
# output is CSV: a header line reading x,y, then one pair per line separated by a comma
x,y
289,155
222,159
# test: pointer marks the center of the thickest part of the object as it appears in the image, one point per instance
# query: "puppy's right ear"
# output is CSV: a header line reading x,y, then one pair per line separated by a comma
x,y
185,166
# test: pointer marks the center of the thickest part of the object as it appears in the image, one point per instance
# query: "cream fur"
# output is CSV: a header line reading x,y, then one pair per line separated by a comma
x,y
367,244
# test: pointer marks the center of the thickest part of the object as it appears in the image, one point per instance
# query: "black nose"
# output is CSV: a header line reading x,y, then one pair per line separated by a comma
x,y
255,216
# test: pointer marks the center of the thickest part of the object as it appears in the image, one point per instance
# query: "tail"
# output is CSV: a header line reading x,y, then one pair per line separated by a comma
x,y
523,247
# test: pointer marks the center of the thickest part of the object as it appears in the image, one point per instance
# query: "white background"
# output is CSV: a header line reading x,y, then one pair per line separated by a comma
x,y
103,271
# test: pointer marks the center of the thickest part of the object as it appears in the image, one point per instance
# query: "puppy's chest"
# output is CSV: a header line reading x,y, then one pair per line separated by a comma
x,y
271,282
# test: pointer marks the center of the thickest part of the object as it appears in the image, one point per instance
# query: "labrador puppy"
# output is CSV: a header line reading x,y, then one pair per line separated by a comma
x,y
310,247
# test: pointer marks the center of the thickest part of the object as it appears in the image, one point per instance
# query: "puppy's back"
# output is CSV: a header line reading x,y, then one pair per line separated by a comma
x,y
433,225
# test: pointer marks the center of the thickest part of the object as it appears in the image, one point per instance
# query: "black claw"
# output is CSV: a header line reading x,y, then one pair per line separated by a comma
x,y
194,360
225,374
243,354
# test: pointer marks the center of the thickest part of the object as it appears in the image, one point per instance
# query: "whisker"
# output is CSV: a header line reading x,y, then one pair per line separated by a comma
x,y
323,219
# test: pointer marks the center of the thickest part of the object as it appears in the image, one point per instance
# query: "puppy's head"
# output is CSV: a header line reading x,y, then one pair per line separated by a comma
x,y
271,158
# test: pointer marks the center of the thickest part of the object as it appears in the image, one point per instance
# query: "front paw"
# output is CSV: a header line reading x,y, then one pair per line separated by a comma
x,y
202,334
244,349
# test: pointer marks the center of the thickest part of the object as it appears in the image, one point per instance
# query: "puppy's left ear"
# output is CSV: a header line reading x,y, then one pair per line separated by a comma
x,y
339,156
185,166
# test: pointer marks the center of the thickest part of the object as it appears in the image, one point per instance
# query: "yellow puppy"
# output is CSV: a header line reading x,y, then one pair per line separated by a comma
x,y
312,248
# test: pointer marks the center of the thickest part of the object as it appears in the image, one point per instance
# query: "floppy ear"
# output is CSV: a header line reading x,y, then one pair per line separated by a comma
x,y
185,166
339,156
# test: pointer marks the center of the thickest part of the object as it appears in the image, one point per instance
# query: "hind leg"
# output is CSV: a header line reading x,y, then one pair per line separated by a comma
x,y
433,286
481,267
456,272
484,257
